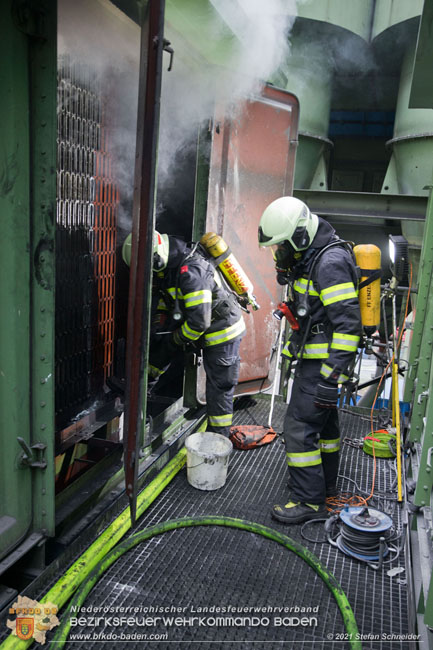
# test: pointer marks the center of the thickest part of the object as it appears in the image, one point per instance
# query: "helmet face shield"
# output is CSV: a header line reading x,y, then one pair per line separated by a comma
x,y
263,239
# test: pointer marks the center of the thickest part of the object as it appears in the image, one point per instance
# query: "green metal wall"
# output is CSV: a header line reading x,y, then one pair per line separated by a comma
x,y
391,12
354,16
27,205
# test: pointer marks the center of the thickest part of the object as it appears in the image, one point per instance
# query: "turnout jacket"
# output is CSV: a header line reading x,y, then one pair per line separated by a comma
x,y
210,312
334,324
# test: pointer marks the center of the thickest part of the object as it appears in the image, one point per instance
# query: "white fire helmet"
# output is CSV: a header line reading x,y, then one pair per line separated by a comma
x,y
288,219
160,250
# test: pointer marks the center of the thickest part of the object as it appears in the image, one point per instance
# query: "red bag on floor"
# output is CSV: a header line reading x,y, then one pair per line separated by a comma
x,y
249,436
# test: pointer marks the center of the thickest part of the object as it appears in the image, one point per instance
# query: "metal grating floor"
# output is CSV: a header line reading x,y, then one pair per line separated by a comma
x,y
210,567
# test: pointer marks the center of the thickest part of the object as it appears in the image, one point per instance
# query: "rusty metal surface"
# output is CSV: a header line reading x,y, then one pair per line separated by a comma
x,y
252,163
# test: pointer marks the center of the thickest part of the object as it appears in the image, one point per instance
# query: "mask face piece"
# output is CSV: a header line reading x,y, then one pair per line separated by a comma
x,y
285,255
158,263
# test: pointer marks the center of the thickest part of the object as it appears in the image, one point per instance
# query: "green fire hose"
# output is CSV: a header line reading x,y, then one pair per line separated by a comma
x,y
174,524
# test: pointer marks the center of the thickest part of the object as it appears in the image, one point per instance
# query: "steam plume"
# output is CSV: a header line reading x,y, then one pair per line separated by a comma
x,y
98,35
257,35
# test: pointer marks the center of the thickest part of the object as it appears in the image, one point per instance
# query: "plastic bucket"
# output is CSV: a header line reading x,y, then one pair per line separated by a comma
x,y
207,456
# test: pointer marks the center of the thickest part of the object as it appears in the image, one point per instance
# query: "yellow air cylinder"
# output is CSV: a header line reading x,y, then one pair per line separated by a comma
x,y
368,259
229,266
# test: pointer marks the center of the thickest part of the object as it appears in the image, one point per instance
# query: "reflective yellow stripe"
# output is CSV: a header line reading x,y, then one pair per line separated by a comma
x,y
315,351
338,292
161,305
346,342
191,334
228,333
349,337
304,459
172,292
329,446
301,287
325,371
311,351
221,420
197,298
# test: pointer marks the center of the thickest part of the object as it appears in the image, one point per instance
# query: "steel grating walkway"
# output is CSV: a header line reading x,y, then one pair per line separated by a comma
x,y
190,573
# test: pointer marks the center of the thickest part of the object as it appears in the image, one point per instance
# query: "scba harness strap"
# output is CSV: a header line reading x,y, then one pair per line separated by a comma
x,y
370,276
215,262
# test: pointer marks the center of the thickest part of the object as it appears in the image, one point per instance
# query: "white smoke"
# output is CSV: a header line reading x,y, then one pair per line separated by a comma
x,y
262,29
249,39
256,35
102,44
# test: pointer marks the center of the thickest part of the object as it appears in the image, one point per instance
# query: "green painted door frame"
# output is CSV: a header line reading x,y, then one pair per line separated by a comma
x,y
43,130
27,208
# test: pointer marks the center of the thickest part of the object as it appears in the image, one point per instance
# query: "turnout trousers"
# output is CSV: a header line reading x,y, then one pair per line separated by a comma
x,y
221,365
312,439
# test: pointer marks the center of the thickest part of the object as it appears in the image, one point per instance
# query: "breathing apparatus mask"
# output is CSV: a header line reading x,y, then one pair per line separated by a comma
x,y
158,263
285,256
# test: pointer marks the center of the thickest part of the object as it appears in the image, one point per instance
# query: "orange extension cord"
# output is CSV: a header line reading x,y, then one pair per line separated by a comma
x,y
336,504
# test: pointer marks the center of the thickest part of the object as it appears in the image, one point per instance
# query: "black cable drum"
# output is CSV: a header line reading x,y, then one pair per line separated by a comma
x,y
361,531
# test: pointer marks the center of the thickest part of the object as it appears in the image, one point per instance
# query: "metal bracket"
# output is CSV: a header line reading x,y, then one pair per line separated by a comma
x,y
33,455
166,47
421,395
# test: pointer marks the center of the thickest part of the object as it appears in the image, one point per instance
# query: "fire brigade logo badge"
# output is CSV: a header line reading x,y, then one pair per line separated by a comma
x,y
25,628
33,619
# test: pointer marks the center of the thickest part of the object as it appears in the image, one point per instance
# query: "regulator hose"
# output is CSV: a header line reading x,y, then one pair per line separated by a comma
x,y
174,524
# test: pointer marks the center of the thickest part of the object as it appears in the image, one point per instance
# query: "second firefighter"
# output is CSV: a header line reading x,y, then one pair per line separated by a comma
x,y
322,281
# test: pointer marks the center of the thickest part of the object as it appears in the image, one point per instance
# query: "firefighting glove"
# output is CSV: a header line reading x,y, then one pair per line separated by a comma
x,y
326,395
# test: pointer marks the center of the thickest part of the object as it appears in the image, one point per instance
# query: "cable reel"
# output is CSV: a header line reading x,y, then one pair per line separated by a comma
x,y
364,533
381,443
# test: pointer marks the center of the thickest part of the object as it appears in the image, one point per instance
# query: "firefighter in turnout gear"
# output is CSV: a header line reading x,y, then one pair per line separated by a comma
x,y
322,279
195,308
